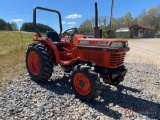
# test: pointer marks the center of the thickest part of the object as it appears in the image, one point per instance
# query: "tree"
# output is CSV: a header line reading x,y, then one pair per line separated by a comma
x,y
143,18
150,18
135,21
128,19
86,27
100,21
30,28
8,26
92,22
105,21
118,23
3,25
153,14
14,26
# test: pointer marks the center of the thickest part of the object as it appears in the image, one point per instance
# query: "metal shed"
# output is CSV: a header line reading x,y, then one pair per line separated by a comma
x,y
158,35
140,31
122,33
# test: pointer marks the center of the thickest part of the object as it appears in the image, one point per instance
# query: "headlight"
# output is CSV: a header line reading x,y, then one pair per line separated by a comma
x,y
118,44
126,44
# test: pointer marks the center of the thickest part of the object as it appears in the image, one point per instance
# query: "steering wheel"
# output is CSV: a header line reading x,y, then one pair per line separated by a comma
x,y
66,33
70,35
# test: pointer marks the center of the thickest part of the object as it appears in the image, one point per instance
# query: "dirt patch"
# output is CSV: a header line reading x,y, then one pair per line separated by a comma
x,y
144,51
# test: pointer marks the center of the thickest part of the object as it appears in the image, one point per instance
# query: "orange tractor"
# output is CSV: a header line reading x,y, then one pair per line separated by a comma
x,y
88,60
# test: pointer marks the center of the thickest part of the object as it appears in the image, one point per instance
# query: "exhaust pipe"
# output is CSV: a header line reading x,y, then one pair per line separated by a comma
x,y
100,33
96,28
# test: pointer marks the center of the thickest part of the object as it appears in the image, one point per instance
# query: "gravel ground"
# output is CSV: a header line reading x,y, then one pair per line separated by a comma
x,y
137,97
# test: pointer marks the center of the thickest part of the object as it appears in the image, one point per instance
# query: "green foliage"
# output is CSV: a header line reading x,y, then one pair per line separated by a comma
x,y
4,25
153,17
28,26
149,18
109,33
104,34
14,26
86,27
131,33
8,26
128,19
12,53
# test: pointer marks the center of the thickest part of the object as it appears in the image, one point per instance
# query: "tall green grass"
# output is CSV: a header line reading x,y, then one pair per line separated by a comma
x,y
12,53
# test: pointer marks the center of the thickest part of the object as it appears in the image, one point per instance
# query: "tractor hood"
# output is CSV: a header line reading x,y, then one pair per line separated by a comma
x,y
83,41
101,42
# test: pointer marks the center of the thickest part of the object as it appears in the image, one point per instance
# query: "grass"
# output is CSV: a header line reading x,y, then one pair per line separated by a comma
x,y
12,54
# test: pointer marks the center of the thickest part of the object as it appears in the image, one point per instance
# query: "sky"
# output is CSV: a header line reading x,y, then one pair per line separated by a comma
x,y
73,12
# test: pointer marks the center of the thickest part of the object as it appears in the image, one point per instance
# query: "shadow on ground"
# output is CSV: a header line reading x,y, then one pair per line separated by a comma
x,y
129,103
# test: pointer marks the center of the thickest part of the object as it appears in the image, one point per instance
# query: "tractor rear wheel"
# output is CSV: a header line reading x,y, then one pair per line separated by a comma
x,y
39,62
85,82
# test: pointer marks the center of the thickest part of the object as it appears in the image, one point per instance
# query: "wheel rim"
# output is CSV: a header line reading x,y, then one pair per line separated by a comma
x,y
82,84
34,63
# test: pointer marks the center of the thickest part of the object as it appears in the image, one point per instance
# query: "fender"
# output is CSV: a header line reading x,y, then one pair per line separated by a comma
x,y
52,47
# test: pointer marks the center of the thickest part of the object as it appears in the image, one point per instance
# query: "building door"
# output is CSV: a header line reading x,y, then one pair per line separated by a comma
x,y
140,33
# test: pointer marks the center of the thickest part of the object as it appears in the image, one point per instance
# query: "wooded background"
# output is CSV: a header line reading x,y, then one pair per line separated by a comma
x,y
150,18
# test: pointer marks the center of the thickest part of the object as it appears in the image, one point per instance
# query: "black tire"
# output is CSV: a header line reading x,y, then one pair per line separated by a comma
x,y
45,61
117,80
95,84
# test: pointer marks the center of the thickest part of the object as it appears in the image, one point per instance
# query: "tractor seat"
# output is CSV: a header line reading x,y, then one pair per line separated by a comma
x,y
55,37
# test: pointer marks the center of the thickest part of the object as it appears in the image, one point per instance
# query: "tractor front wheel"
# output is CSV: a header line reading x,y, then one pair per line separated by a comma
x,y
39,62
85,82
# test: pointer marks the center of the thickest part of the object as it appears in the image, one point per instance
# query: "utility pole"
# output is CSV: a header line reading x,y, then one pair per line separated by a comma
x,y
112,5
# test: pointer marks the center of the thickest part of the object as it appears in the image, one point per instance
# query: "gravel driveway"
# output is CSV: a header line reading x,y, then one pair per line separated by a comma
x,y
137,97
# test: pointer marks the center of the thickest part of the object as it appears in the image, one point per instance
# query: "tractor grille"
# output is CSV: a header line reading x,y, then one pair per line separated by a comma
x,y
94,57
116,59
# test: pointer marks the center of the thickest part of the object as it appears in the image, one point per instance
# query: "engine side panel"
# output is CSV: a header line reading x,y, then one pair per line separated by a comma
x,y
99,52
